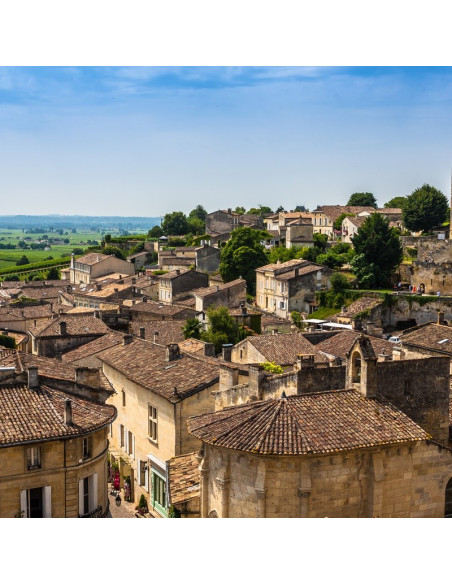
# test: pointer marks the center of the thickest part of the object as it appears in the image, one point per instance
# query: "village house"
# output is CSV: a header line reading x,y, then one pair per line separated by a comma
x,y
284,287
53,459
161,332
19,317
231,295
376,448
148,310
157,389
290,228
178,283
325,216
205,258
221,223
351,224
97,294
94,265
428,339
139,260
65,332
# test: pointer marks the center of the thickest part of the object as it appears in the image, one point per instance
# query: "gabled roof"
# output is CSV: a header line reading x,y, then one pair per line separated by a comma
x,y
76,325
184,478
341,343
316,423
212,290
145,364
431,336
283,349
92,258
333,212
37,415
169,331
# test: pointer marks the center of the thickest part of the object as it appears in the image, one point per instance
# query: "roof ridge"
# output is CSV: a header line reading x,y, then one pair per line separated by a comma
x,y
291,411
279,405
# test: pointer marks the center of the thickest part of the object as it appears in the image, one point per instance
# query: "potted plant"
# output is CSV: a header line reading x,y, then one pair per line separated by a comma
x,y
142,506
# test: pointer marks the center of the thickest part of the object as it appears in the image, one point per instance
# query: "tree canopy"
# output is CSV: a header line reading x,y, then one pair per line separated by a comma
x,y
425,208
112,250
395,203
242,254
175,223
221,328
192,329
378,252
261,210
362,200
156,231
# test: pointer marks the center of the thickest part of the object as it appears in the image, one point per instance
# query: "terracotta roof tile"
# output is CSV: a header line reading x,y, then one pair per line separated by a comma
x,y
169,331
184,478
340,344
431,336
76,325
319,423
284,348
28,415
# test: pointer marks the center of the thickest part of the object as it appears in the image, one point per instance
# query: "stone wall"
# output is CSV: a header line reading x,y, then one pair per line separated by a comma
x,y
393,481
208,259
188,281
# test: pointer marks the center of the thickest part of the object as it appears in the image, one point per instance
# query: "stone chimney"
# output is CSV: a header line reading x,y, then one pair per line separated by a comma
x,y
256,378
72,260
243,308
142,332
209,350
228,377
98,286
89,376
398,354
304,361
177,272
156,336
145,299
68,412
134,280
63,329
127,339
172,352
343,310
33,377
226,351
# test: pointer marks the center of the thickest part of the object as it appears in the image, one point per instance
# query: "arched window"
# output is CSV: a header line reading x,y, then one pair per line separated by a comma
x,y
213,514
356,367
448,497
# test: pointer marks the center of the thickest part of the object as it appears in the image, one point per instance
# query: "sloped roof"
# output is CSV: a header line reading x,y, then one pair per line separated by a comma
x,y
184,478
211,290
341,343
169,331
431,336
76,325
316,423
333,212
284,348
30,415
145,363
106,341
92,258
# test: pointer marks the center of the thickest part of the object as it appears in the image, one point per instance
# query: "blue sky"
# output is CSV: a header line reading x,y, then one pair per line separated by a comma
x,y
149,140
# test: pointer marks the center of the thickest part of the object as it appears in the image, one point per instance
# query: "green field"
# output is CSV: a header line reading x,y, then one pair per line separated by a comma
x,y
9,257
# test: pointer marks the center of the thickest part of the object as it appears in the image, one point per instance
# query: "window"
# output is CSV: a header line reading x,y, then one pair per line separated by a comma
x,y
33,457
36,502
282,305
143,474
86,448
448,497
152,429
121,434
131,444
158,492
87,495
123,393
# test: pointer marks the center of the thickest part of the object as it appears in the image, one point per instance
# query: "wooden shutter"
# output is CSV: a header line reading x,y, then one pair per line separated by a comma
x,y
47,499
126,440
80,497
23,503
94,491
146,479
133,445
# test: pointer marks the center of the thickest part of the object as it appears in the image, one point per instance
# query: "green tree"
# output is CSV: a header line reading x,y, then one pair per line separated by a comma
x,y
425,208
261,210
221,328
112,250
282,254
242,254
156,231
395,203
22,261
199,213
301,208
107,238
280,209
378,252
7,341
196,226
240,210
175,223
362,200
53,274
338,282
320,241
77,251
338,223
192,329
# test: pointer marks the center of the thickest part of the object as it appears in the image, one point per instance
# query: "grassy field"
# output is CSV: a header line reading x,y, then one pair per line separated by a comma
x,y
9,257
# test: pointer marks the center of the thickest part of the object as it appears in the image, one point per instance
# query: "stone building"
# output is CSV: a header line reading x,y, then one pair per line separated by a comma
x,y
53,457
231,295
95,265
179,282
204,258
352,452
284,287
65,332
148,310
157,389
290,228
221,223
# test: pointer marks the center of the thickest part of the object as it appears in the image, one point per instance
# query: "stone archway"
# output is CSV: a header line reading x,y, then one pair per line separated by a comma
x,y
448,499
356,367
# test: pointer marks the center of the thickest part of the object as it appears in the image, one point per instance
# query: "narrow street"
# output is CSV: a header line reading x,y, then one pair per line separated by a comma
x,y
126,510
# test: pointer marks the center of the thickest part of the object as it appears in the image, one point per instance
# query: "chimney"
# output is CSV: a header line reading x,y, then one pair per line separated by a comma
x,y
96,314
68,412
209,350
98,287
72,260
145,299
343,310
63,330
156,336
256,378
58,356
304,361
89,376
172,352
229,211
398,354
5,332
177,272
440,319
243,308
115,290
228,377
134,280
226,352
33,377
142,332
127,339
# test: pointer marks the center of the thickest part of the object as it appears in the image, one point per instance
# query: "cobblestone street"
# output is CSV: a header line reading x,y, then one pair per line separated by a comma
x,y
126,510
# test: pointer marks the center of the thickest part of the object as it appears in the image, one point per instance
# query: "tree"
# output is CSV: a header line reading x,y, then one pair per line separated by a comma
x,y
221,328
156,231
261,210
242,254
107,238
395,203
199,213
378,252
280,209
425,208
23,260
192,329
240,210
175,223
196,225
112,250
53,274
301,208
7,341
77,251
362,200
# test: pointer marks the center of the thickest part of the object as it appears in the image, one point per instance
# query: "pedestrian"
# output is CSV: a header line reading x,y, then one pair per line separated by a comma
x,y
410,288
438,293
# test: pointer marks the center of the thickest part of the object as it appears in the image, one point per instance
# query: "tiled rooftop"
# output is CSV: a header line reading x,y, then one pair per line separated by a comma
x,y
145,363
209,290
431,336
169,331
184,478
284,348
76,324
28,415
360,305
339,344
319,423
92,258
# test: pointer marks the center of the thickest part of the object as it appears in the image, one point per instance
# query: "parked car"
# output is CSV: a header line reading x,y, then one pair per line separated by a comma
x,y
394,340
